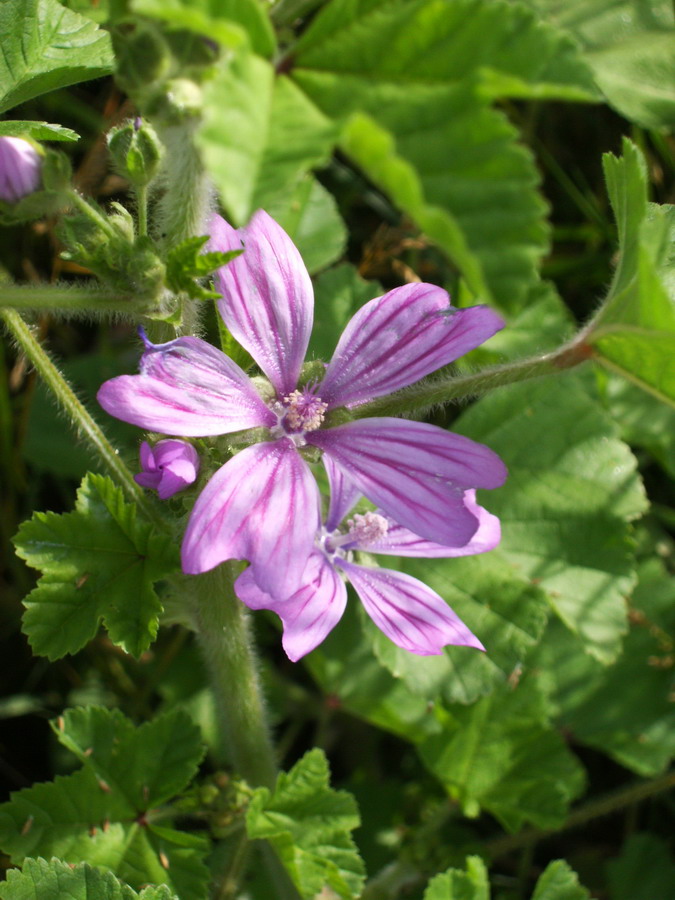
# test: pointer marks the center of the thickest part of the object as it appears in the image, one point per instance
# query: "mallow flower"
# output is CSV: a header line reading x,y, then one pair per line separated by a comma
x,y
411,615
263,504
168,467
20,167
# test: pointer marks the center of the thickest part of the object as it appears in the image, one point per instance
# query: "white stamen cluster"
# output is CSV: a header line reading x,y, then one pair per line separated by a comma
x,y
304,411
367,528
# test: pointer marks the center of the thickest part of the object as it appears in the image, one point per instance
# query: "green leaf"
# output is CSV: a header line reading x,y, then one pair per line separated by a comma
x,y
39,131
645,870
309,825
559,882
99,563
567,504
457,884
233,23
311,219
502,755
270,138
624,710
629,47
417,79
45,47
42,880
338,294
634,332
506,611
185,263
98,814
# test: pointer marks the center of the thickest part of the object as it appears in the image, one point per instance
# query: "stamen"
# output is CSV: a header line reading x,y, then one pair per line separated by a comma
x,y
368,528
304,411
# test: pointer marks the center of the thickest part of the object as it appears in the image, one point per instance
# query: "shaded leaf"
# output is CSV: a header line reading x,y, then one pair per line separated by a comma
x,y
644,870
186,263
99,563
45,47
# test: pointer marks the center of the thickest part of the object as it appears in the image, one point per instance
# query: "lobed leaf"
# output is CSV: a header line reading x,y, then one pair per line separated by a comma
x,y
45,47
99,563
460,884
309,825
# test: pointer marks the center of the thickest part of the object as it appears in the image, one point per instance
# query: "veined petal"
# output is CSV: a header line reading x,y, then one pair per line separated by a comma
x,y
310,613
399,541
267,297
343,494
187,388
417,473
263,505
399,338
411,615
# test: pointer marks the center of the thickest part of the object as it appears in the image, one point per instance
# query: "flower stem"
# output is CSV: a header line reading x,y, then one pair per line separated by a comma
x,y
142,209
92,213
75,410
69,300
431,392
220,620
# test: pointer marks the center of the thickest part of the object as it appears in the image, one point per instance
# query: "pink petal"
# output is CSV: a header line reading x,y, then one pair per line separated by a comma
x,y
310,613
147,457
399,338
417,473
411,615
267,296
399,541
264,506
187,388
343,494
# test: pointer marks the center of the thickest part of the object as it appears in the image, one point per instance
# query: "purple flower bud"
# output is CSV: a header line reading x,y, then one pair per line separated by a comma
x,y
168,467
20,165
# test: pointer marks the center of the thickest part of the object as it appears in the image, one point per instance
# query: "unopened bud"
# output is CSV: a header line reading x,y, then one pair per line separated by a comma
x,y
20,169
136,151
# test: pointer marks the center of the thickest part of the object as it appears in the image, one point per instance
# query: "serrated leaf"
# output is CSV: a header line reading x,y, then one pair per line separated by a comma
x,y
99,563
571,493
458,884
629,47
507,612
270,136
45,47
634,332
40,131
624,710
502,755
98,813
42,880
185,263
559,882
309,824
423,73
233,23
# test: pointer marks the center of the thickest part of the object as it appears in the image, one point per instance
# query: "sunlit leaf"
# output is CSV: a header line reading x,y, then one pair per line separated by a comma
x,y
42,880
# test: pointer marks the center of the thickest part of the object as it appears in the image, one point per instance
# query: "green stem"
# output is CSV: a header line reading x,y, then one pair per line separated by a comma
x,y
69,300
76,412
220,620
92,213
142,203
432,392
594,809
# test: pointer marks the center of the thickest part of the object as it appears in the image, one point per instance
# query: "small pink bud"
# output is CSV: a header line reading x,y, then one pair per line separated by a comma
x,y
20,166
168,467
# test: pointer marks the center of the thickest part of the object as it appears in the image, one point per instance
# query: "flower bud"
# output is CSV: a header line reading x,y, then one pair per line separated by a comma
x,y
168,467
136,151
20,166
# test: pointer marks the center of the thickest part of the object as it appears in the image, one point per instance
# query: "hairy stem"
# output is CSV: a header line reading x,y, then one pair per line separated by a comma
x,y
220,620
432,392
68,300
93,214
75,410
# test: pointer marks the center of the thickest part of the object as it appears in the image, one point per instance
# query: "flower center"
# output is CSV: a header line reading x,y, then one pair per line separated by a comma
x,y
368,528
304,411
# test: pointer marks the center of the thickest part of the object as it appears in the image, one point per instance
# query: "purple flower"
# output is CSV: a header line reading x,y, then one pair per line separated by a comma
x,y
263,505
20,165
168,467
411,615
